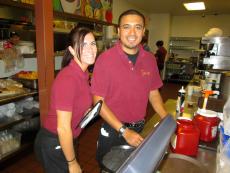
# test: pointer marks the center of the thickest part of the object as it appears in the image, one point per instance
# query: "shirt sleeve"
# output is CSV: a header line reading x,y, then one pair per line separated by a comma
x,y
64,92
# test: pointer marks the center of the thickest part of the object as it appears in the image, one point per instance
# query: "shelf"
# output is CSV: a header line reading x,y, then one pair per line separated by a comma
x,y
24,146
57,14
195,39
183,48
17,4
28,114
13,98
178,80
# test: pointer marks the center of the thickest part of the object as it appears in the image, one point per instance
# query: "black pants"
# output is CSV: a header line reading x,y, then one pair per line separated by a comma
x,y
109,137
49,153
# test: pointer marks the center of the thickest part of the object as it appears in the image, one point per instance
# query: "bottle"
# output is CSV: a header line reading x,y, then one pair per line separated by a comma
x,y
226,113
180,102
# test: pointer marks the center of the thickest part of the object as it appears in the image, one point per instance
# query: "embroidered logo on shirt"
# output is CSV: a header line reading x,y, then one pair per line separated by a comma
x,y
145,73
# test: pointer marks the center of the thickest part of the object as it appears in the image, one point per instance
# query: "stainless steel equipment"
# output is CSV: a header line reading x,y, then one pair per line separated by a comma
x,y
146,158
217,52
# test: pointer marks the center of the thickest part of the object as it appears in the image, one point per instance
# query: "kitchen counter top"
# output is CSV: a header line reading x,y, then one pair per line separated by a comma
x,y
205,157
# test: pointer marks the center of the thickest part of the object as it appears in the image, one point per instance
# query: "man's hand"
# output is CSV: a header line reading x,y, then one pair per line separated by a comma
x,y
132,137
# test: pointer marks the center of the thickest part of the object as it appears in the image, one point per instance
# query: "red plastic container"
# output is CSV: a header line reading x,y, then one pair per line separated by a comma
x,y
207,121
186,139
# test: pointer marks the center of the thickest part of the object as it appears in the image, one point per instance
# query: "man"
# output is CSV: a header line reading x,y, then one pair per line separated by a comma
x,y
125,77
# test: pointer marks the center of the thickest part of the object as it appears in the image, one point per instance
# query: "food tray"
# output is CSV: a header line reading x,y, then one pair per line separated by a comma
x,y
27,83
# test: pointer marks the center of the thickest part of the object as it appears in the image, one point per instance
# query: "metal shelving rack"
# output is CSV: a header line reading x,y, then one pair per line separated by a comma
x,y
9,123
181,65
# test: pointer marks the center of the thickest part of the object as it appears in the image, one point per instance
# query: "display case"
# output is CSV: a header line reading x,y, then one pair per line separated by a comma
x,y
15,136
184,55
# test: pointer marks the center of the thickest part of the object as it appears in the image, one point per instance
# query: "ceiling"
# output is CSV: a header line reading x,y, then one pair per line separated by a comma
x,y
176,7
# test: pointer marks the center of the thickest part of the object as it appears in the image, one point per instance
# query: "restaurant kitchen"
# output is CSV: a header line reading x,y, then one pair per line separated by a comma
x,y
172,25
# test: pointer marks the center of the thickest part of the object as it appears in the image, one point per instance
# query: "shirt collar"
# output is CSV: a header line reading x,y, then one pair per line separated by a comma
x,y
78,69
121,52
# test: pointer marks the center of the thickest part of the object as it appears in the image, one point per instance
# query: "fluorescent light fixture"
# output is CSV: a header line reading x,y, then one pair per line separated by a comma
x,y
194,6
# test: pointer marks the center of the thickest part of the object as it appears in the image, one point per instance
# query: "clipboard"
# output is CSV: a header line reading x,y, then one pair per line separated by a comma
x,y
91,114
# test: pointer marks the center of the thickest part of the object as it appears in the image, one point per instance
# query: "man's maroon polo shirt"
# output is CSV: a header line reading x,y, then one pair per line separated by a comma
x,y
124,86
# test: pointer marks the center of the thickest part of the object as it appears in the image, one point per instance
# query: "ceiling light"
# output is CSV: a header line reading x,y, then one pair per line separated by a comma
x,y
195,6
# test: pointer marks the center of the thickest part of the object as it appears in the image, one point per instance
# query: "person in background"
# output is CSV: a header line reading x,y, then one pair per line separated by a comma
x,y
13,40
126,77
145,44
160,54
70,99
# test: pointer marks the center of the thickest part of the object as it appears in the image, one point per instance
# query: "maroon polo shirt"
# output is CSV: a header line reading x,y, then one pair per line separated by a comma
x,y
124,86
70,92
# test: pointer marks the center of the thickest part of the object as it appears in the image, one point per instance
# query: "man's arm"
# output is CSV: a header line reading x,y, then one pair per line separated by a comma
x,y
157,103
130,136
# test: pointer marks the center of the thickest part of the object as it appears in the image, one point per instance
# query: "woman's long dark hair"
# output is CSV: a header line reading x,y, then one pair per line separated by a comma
x,y
75,40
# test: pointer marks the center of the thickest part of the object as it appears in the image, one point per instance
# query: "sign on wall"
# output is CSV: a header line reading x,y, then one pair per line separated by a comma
x,y
97,9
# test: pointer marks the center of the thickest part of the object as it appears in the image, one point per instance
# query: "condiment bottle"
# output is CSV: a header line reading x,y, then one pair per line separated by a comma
x,y
180,102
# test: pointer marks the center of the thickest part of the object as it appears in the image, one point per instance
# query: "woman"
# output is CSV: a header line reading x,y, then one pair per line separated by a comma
x,y
70,99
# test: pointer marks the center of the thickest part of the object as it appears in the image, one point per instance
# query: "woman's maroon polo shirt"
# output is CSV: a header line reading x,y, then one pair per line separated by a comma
x,y
70,92
124,86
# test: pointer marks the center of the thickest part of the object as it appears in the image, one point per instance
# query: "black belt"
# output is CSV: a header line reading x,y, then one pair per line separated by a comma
x,y
140,123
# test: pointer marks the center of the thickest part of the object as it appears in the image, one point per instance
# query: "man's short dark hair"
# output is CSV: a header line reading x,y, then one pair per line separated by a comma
x,y
130,12
159,43
13,33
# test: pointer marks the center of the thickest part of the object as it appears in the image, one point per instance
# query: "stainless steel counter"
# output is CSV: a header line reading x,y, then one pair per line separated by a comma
x,y
205,157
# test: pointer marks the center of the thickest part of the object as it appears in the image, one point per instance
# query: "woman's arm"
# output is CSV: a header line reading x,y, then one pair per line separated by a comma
x,y
66,140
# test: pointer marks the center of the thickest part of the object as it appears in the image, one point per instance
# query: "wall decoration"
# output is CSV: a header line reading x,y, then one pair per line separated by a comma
x,y
97,9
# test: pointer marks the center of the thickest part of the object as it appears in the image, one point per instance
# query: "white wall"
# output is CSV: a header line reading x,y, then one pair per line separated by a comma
x,y
197,26
120,6
164,26
159,29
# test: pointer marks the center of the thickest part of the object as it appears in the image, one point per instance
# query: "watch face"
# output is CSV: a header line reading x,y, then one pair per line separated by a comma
x,y
122,130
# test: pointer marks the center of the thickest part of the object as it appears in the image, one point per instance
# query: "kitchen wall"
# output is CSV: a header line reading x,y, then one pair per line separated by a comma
x,y
164,26
159,29
197,26
120,6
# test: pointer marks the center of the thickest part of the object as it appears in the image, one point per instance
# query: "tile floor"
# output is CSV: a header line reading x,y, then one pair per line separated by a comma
x,y
87,143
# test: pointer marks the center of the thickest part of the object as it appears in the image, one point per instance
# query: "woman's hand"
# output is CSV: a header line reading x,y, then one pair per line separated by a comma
x,y
132,137
74,167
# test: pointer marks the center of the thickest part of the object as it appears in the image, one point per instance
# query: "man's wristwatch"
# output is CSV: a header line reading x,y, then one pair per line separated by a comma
x,y
122,130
